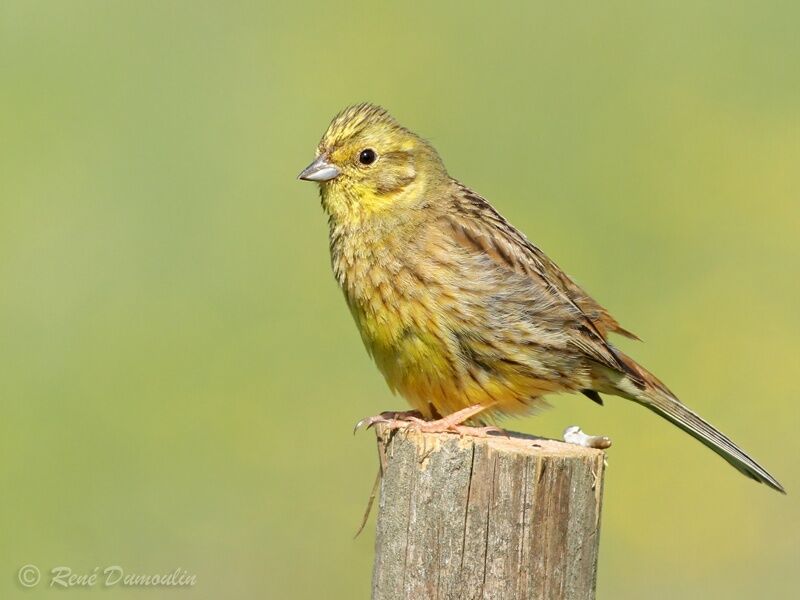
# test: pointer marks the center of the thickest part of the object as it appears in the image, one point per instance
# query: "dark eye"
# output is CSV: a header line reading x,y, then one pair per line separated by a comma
x,y
367,157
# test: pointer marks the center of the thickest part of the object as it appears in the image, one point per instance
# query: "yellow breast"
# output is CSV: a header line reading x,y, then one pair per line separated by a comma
x,y
412,319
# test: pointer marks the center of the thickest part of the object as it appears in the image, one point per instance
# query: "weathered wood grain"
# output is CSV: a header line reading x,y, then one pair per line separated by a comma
x,y
492,518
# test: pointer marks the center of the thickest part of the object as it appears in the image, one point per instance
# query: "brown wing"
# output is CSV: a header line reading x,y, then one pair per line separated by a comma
x,y
475,223
601,318
540,263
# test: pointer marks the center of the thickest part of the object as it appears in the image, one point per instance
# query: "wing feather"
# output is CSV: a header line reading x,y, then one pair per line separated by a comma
x,y
475,224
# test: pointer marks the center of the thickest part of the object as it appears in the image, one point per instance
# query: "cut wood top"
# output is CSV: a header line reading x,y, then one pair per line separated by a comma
x,y
519,443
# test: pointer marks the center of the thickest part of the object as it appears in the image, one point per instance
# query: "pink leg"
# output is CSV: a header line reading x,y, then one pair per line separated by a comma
x,y
452,423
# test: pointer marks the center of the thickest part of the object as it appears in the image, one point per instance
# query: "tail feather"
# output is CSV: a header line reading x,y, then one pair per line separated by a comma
x,y
694,425
653,394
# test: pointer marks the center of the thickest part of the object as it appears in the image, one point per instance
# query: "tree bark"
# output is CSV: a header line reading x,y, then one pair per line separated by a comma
x,y
500,517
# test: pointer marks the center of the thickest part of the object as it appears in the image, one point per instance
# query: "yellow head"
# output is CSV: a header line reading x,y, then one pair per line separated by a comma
x,y
367,164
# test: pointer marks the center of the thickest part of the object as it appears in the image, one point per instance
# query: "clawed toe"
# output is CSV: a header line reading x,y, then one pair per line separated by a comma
x,y
368,422
392,419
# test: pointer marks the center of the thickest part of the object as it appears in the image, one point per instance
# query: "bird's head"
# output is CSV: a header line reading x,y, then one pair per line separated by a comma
x,y
366,164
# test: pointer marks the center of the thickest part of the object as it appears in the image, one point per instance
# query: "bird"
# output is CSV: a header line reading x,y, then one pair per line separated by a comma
x,y
465,317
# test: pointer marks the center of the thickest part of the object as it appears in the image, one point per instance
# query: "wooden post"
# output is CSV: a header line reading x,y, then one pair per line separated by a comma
x,y
486,518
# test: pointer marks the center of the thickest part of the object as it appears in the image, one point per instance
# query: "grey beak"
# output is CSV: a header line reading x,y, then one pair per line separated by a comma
x,y
319,170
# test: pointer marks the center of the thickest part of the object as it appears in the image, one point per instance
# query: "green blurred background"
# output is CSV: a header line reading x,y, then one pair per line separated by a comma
x,y
179,374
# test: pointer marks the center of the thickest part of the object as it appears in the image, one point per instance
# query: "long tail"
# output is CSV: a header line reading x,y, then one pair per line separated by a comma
x,y
648,391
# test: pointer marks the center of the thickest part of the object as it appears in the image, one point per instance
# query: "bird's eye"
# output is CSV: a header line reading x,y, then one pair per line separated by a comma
x,y
367,157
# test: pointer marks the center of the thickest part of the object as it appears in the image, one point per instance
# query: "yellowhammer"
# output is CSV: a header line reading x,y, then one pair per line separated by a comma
x,y
462,314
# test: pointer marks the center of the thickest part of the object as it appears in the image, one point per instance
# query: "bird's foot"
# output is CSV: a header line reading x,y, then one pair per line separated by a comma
x,y
413,421
453,423
574,435
391,418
